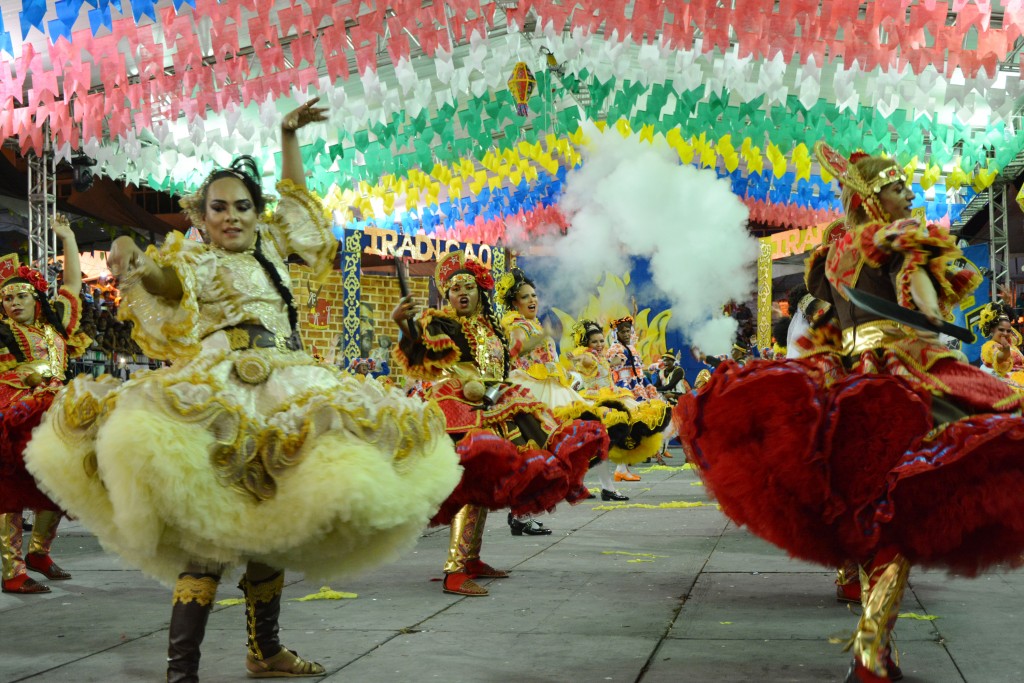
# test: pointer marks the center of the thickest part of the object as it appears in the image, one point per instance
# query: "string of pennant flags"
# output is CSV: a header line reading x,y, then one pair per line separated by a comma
x,y
157,95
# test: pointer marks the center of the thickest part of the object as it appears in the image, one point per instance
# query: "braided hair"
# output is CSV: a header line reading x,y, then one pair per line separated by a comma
x,y
275,278
492,317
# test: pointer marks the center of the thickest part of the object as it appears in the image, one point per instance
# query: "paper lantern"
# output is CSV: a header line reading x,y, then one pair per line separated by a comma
x,y
521,84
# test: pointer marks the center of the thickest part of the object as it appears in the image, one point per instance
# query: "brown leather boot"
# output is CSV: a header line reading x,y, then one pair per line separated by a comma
x,y
266,657
193,600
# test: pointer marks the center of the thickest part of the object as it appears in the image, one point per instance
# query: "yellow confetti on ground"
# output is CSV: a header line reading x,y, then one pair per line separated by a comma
x,y
623,552
227,602
919,617
696,483
631,561
326,594
725,623
665,506
666,468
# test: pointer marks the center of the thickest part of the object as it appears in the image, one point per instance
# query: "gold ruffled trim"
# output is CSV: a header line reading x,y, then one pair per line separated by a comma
x,y
163,329
264,591
198,589
311,239
246,456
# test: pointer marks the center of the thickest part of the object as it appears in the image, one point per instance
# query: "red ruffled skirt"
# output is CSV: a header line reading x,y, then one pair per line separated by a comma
x,y
837,473
23,412
501,473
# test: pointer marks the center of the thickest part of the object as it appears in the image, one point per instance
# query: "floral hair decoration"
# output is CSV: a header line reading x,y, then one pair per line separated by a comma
x,y
456,262
582,329
25,279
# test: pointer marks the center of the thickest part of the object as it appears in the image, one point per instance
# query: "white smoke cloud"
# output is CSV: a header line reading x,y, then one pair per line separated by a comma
x,y
630,198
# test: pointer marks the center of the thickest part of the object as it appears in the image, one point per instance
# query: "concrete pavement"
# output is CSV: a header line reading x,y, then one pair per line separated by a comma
x,y
646,595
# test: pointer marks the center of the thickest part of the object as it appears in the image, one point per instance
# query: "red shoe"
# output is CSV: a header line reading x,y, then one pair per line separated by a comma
x,y
24,584
45,565
478,569
460,583
859,674
848,592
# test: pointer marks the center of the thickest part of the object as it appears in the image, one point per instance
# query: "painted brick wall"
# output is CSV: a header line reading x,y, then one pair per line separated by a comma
x,y
322,327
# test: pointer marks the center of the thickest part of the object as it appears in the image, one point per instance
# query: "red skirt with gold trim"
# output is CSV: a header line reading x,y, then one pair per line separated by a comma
x,y
836,473
515,455
23,411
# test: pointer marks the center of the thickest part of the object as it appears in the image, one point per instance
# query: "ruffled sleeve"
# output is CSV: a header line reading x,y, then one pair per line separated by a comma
x,y
920,246
69,308
164,329
301,226
988,357
434,351
580,356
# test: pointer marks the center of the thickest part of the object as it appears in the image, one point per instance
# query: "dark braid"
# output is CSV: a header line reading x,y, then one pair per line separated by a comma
x,y
275,277
492,317
50,315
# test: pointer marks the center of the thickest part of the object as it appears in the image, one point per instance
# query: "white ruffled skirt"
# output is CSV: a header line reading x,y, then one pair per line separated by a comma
x,y
294,466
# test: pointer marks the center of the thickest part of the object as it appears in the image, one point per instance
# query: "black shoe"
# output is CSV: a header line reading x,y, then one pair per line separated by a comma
x,y
530,528
612,495
26,525
591,495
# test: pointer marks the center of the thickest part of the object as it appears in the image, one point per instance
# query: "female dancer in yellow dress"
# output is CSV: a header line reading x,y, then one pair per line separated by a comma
x,y
37,337
1001,355
535,359
245,450
634,427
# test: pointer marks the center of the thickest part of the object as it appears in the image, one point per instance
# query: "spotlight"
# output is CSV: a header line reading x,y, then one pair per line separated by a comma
x,y
81,167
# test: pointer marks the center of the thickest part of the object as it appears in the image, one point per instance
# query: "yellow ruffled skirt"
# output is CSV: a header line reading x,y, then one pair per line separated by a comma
x,y
258,455
637,428
634,427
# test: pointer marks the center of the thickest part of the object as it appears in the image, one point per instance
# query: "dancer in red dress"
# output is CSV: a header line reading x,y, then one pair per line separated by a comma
x,y
893,452
38,337
515,453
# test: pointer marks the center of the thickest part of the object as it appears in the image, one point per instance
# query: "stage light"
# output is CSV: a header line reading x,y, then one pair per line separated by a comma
x,y
81,167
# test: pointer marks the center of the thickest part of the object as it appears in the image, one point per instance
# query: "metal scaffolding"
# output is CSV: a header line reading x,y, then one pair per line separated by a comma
x,y
999,241
42,208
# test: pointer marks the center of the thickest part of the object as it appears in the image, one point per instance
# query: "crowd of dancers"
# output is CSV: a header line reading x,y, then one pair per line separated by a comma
x,y
245,451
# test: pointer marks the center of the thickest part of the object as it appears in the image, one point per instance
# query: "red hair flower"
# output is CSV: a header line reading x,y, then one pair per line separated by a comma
x,y
34,277
480,272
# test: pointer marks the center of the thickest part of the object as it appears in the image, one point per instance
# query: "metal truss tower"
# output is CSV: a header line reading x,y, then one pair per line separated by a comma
x,y
42,208
999,243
